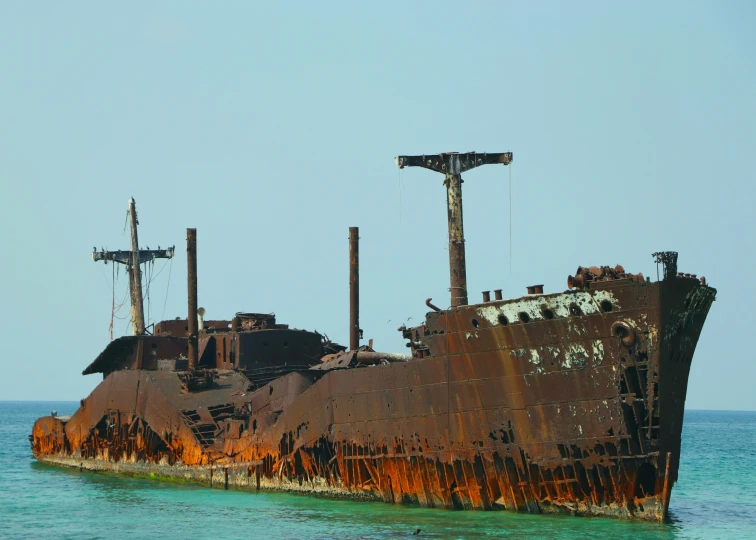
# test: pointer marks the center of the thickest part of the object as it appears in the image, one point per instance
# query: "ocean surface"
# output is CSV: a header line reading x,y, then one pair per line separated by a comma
x,y
715,497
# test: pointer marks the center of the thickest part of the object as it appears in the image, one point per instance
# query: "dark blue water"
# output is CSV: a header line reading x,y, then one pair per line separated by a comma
x,y
714,498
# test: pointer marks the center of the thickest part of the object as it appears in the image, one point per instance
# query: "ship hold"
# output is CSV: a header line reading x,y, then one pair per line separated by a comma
x,y
565,402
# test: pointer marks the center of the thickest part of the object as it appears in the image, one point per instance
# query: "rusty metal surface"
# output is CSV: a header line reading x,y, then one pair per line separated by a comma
x,y
133,260
135,269
137,352
191,265
537,404
354,288
570,402
464,162
452,165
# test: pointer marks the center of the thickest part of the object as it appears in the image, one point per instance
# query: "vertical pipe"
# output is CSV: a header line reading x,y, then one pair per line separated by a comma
x,y
191,266
486,296
137,303
666,490
354,288
497,294
457,267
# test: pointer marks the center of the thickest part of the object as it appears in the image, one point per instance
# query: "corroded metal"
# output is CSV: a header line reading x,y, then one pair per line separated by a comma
x,y
535,404
135,272
457,265
133,259
191,265
452,165
568,402
354,287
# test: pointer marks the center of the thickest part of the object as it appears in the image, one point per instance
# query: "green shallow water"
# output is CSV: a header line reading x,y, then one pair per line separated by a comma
x,y
714,498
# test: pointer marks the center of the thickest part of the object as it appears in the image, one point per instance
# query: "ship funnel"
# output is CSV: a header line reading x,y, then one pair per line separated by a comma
x,y
201,319
354,288
191,275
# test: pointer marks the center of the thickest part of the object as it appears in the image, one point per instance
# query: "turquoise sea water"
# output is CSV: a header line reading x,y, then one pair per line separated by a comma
x,y
714,498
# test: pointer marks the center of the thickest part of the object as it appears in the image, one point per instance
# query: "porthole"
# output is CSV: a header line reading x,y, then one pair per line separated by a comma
x,y
524,317
503,320
547,313
606,306
475,323
575,310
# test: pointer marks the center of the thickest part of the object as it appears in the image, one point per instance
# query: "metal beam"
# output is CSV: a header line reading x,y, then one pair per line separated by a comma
x,y
453,162
124,257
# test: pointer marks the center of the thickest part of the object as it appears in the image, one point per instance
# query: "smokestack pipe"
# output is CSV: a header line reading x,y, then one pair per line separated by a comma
x,y
354,288
191,274
486,296
497,294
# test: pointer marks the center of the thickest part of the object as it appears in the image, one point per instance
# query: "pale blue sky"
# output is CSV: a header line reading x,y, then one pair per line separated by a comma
x,y
272,128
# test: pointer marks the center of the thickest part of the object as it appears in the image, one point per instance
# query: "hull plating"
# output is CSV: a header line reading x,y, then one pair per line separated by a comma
x,y
568,403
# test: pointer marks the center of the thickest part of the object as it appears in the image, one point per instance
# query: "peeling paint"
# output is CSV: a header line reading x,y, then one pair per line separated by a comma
x,y
554,417
559,304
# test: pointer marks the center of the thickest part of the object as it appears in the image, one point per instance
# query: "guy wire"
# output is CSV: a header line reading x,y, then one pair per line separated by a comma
x,y
510,220
170,267
401,188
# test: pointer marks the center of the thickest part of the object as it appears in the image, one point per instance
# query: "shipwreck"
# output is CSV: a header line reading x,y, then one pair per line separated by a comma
x,y
566,402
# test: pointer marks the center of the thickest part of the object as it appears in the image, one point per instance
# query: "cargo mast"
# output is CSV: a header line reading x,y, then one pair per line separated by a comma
x,y
135,276
452,165
133,259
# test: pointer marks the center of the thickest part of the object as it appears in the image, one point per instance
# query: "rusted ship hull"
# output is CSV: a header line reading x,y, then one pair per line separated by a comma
x,y
569,402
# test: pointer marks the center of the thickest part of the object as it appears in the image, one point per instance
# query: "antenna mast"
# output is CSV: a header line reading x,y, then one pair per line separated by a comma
x,y
452,165
133,260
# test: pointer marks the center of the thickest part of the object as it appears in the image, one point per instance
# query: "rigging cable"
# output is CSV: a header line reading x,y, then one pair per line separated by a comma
x,y
116,308
510,220
162,317
149,267
401,189
112,308
151,276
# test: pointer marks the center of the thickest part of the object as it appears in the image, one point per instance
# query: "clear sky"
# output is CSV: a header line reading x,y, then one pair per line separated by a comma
x,y
272,127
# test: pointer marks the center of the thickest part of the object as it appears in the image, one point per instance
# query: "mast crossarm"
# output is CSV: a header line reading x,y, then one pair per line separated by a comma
x,y
452,162
124,257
